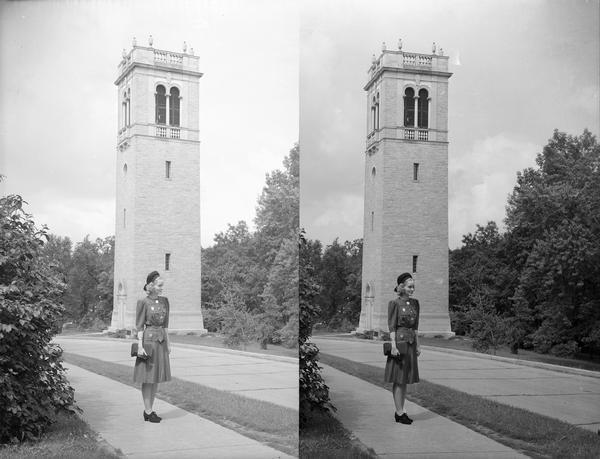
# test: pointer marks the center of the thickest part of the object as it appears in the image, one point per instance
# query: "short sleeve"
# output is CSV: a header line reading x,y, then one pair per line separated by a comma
x,y
166,322
418,308
392,316
140,315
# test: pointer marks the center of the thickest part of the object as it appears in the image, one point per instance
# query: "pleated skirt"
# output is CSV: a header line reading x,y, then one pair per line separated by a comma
x,y
157,368
404,370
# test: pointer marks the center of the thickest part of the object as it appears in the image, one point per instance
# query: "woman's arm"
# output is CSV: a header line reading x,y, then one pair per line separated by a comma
x,y
166,323
140,319
418,307
392,321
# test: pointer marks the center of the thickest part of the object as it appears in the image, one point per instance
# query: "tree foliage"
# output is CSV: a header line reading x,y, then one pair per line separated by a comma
x,y
260,268
88,271
33,382
314,393
542,275
338,271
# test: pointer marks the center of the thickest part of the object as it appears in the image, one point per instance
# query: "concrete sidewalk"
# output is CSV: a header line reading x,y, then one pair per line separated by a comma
x,y
368,411
573,398
249,375
110,408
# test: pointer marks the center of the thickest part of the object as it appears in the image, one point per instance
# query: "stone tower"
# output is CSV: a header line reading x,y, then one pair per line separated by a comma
x,y
406,187
158,184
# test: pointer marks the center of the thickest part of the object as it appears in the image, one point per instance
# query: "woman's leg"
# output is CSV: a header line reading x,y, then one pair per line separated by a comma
x,y
153,394
147,396
399,391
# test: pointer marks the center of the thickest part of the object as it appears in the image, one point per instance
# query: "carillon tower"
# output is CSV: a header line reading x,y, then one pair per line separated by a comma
x,y
158,184
406,186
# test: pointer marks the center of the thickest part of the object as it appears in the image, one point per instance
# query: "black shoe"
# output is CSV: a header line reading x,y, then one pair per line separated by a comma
x,y
146,416
152,417
404,419
156,415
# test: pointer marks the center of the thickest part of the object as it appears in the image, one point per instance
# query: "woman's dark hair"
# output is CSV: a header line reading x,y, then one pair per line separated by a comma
x,y
151,278
401,279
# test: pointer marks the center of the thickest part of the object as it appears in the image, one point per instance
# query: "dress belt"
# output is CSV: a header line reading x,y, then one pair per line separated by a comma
x,y
405,334
154,333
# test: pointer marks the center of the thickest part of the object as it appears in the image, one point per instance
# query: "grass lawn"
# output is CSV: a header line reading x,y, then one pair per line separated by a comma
x,y
69,438
265,422
465,344
324,437
216,340
534,434
209,340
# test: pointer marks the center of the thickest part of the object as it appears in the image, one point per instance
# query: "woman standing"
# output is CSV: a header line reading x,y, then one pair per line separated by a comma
x,y
401,367
152,322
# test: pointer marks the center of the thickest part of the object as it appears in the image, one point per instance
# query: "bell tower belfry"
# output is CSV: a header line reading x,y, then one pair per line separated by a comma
x,y
158,184
406,187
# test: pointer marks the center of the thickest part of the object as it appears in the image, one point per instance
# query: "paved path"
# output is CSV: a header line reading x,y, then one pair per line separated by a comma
x,y
367,410
573,398
254,376
107,408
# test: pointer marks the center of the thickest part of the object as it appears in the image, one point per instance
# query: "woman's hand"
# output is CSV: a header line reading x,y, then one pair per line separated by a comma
x,y
141,350
418,351
394,350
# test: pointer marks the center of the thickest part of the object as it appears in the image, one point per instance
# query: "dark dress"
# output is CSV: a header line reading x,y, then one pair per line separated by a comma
x,y
152,316
403,313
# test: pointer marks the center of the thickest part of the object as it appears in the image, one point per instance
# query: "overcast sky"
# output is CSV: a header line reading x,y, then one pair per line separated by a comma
x,y
520,70
58,109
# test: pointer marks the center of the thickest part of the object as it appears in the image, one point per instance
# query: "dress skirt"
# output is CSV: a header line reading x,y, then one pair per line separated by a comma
x,y
405,369
157,368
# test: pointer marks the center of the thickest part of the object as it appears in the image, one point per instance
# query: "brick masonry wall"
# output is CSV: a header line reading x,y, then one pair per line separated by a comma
x,y
163,214
411,217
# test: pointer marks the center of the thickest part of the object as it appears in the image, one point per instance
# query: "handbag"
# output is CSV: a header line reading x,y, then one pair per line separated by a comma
x,y
134,352
402,347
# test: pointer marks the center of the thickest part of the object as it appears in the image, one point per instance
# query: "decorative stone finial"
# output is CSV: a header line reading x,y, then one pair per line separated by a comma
x,y
400,44
134,42
150,41
433,48
124,54
441,51
192,51
383,46
184,46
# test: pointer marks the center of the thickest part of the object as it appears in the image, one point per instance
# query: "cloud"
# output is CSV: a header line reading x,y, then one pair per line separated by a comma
x,y
75,217
480,180
338,215
586,98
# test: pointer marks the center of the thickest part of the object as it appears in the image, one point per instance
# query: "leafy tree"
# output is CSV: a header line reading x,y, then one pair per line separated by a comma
x,y
553,226
58,250
314,393
339,275
34,386
480,274
278,209
280,296
332,279
260,269
90,279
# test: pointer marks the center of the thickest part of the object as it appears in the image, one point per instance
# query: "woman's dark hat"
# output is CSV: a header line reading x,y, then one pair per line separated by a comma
x,y
151,278
401,279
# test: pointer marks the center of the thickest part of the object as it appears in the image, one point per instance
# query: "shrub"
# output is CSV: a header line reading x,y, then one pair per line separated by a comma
x,y
568,349
212,320
488,329
314,393
238,324
34,385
